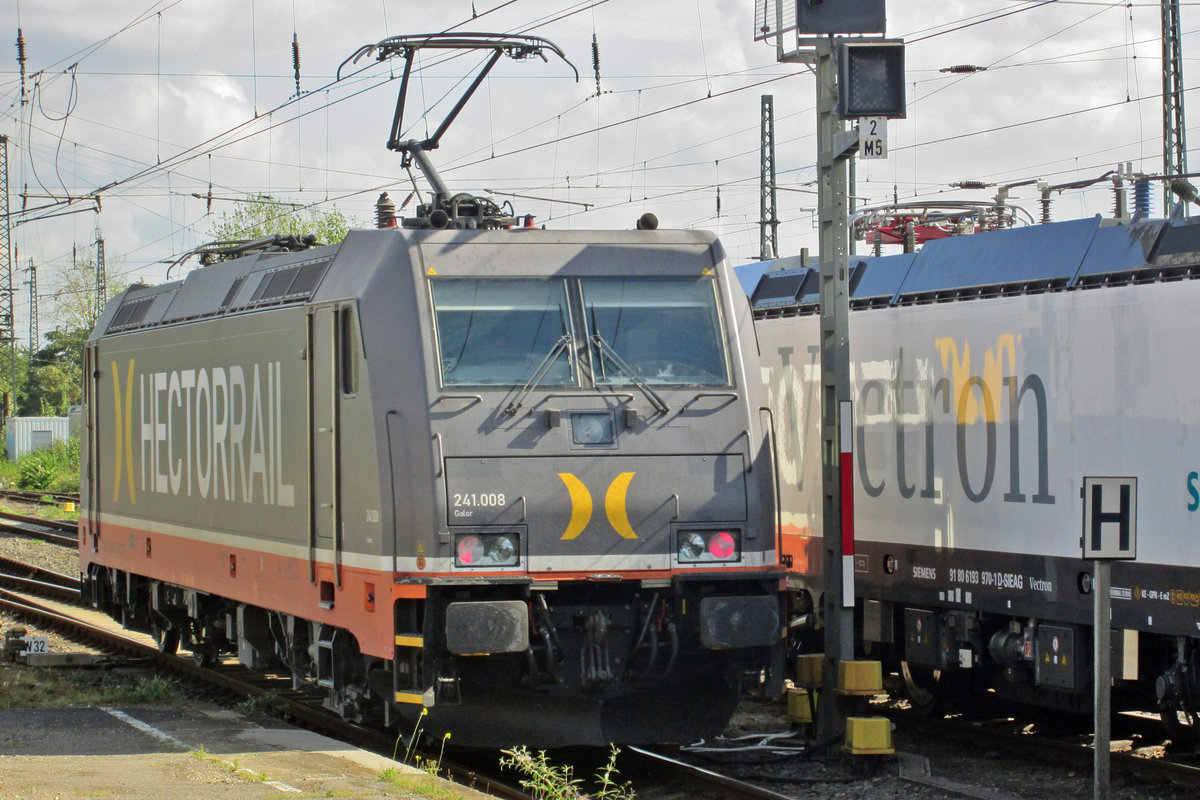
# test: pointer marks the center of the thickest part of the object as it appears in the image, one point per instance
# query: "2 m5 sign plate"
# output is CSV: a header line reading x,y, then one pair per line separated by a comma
x,y
872,137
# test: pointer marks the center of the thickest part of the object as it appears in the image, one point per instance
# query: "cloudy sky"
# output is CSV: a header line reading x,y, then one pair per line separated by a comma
x,y
148,103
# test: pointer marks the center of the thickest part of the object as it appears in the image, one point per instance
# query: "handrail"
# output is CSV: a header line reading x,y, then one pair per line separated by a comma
x,y
584,395
778,487
702,395
474,398
441,456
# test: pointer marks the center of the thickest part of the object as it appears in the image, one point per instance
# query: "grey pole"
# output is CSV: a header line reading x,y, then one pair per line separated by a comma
x,y
834,147
1102,688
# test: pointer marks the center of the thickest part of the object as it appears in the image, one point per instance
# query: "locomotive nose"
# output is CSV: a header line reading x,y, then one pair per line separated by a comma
x,y
607,512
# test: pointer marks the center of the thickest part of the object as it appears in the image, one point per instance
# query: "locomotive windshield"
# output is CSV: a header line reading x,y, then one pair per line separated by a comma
x,y
666,331
509,332
497,332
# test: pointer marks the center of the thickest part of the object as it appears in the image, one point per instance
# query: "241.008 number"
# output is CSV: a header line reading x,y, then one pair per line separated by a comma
x,y
471,499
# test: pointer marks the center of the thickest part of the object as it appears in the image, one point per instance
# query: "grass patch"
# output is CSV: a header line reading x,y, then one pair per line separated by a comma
x,y
55,512
34,687
260,705
44,511
547,781
419,783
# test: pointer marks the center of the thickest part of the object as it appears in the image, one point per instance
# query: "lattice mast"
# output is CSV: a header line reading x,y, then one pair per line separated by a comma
x,y
101,276
35,336
768,221
1174,128
6,288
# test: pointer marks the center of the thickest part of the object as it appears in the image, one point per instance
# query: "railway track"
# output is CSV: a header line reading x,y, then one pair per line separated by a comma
x,y
51,600
673,778
1062,745
1056,741
50,530
41,581
41,498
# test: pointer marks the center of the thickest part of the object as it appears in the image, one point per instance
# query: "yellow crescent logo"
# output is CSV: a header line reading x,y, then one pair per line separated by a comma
x,y
581,505
614,505
124,430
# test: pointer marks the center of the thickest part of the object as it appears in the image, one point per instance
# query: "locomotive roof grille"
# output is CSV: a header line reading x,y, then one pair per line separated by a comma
x,y
194,297
232,293
289,283
1063,256
131,313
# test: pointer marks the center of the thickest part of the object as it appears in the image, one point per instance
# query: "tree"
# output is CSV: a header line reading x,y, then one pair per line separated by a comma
x,y
75,299
54,381
14,373
50,380
261,215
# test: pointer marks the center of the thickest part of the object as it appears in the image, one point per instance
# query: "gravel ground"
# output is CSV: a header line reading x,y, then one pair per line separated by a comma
x,y
50,556
972,770
35,551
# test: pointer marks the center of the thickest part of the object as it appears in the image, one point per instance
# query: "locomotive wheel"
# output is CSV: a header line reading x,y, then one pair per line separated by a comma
x,y
204,654
921,684
941,691
1181,727
165,637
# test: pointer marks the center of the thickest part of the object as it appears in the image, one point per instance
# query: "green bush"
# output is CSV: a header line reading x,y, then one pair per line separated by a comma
x,y
53,469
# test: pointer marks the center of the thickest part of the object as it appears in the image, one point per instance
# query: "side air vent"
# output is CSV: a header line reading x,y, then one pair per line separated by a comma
x,y
232,293
130,314
289,283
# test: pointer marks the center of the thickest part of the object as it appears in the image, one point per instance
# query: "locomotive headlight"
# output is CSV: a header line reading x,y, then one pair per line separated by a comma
x,y
486,550
721,546
468,552
710,546
502,550
691,546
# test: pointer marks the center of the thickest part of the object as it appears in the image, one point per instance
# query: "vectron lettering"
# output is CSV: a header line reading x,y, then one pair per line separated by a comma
x,y
979,421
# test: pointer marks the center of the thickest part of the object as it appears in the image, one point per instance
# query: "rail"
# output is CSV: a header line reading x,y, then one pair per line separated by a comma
x,y
63,532
231,677
41,498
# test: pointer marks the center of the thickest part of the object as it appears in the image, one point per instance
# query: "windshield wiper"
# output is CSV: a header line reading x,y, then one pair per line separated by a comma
x,y
659,404
540,373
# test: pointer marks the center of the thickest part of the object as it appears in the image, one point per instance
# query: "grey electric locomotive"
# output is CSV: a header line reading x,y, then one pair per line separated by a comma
x,y
992,373
517,478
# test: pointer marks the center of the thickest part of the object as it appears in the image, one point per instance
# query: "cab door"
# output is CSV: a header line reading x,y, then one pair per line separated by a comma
x,y
90,483
324,441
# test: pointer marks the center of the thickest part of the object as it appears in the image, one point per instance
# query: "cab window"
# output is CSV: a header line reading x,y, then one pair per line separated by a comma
x,y
667,331
497,332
